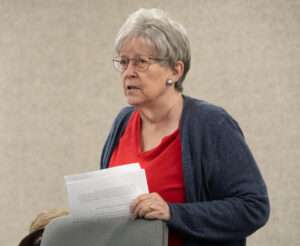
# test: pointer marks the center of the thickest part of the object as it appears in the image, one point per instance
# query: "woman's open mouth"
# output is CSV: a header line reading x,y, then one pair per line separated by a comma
x,y
132,87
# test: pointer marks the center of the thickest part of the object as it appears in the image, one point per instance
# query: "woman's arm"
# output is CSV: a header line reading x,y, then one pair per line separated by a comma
x,y
238,202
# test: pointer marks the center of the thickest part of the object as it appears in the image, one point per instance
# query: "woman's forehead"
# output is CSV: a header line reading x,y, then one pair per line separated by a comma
x,y
137,46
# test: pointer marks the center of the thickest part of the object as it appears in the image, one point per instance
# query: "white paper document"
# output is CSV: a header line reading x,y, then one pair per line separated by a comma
x,y
105,193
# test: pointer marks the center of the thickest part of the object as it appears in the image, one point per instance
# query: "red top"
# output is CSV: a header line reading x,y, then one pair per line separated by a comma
x,y
162,164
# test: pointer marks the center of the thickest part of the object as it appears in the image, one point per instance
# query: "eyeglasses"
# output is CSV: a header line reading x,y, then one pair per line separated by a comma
x,y
141,63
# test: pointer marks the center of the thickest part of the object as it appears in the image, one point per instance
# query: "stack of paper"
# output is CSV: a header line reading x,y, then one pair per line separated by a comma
x,y
105,193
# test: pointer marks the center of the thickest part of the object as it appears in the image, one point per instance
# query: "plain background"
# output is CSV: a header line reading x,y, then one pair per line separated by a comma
x,y
59,95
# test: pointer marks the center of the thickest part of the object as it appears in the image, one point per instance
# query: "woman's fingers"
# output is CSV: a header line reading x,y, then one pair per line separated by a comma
x,y
150,206
141,206
138,201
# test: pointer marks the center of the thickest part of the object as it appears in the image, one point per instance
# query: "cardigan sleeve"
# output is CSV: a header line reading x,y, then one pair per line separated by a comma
x,y
114,134
238,202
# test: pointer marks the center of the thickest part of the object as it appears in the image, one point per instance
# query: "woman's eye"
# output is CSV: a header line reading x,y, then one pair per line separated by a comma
x,y
123,62
142,61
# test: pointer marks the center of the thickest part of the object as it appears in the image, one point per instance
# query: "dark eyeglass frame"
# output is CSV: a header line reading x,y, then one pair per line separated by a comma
x,y
141,63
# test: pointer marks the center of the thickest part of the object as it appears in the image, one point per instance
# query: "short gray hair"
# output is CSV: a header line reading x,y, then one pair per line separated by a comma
x,y
168,38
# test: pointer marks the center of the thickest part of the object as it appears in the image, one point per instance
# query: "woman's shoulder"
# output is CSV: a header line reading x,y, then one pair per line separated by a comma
x,y
204,111
208,117
125,111
123,115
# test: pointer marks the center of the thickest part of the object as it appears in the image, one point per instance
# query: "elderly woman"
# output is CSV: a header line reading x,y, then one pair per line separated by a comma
x,y
202,177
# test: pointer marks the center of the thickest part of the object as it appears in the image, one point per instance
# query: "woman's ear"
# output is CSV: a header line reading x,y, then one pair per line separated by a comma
x,y
178,70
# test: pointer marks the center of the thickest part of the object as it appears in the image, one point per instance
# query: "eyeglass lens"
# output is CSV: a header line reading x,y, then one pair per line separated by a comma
x,y
140,63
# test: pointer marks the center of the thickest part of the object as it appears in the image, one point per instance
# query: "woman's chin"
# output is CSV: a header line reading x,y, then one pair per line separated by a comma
x,y
134,101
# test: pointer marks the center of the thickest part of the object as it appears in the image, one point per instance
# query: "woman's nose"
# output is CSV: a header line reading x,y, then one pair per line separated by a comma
x,y
130,69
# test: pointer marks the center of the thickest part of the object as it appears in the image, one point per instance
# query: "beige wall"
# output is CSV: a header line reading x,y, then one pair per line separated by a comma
x,y
59,95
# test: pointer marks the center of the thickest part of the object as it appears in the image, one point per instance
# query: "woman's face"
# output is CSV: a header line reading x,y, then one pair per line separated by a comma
x,y
147,87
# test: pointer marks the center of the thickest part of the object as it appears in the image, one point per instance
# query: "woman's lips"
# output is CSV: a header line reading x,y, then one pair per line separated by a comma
x,y
132,87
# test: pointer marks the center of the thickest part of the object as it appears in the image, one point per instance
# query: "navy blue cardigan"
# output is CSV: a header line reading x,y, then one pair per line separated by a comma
x,y
226,196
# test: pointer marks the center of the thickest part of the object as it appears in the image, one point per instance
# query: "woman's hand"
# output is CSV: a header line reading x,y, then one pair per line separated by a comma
x,y
150,206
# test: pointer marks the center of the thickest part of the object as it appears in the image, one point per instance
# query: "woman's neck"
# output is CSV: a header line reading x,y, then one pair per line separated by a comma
x,y
163,113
